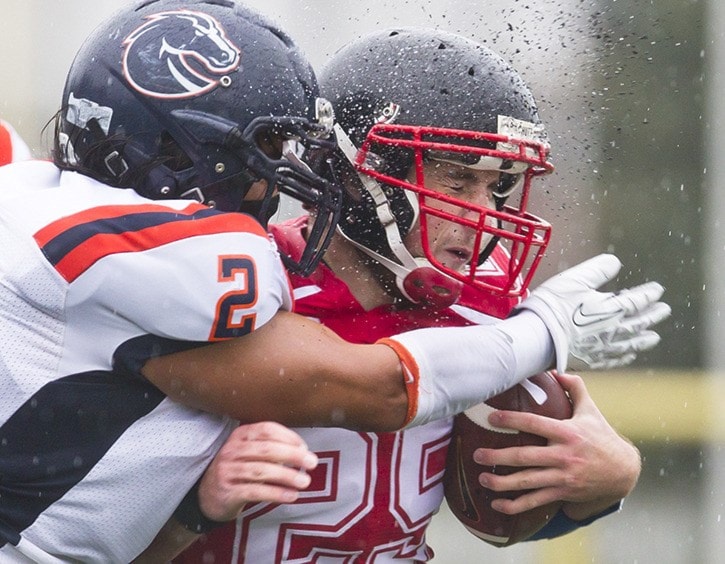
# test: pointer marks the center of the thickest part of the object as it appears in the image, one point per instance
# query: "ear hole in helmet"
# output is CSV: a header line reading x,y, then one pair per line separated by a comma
x,y
174,157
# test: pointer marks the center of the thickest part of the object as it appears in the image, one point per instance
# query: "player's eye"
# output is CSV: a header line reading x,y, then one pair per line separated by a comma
x,y
270,144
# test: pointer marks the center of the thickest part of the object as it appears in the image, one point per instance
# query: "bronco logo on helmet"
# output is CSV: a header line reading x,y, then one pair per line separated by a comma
x,y
179,54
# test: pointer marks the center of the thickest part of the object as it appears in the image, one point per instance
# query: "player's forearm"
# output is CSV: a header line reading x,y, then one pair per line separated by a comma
x,y
294,371
459,367
291,370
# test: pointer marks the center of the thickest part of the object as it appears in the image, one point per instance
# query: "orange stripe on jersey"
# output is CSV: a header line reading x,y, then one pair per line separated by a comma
x,y
6,146
73,244
105,213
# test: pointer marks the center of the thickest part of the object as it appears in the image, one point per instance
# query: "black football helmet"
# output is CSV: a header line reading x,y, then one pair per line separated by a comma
x,y
404,96
199,99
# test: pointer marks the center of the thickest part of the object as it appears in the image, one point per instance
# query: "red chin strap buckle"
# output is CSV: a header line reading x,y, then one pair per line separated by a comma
x,y
428,286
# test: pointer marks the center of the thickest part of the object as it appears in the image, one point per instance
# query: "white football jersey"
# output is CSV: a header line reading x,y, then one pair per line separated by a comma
x,y
93,281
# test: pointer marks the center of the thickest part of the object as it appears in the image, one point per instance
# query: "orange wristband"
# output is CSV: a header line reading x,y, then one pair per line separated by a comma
x,y
411,375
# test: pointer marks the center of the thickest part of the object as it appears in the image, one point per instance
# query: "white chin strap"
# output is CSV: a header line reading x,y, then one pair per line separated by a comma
x,y
415,277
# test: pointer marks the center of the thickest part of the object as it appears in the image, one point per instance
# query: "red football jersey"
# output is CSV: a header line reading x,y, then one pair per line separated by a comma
x,y
372,495
12,147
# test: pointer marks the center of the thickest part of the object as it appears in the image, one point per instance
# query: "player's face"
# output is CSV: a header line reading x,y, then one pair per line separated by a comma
x,y
452,244
271,145
256,191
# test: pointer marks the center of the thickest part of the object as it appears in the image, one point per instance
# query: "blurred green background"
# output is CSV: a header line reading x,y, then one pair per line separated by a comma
x,y
650,105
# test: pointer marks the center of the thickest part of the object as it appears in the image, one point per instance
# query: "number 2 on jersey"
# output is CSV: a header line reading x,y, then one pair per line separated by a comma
x,y
231,320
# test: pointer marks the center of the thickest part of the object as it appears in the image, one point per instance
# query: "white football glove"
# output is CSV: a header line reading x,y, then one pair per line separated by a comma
x,y
592,329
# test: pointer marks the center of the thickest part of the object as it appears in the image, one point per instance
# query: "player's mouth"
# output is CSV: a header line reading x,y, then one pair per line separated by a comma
x,y
456,257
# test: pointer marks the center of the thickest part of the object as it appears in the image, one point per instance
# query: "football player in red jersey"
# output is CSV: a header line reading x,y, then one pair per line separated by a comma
x,y
434,232
12,147
132,260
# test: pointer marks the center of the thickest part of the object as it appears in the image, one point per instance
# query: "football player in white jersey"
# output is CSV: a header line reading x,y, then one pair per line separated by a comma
x,y
163,119
132,259
423,120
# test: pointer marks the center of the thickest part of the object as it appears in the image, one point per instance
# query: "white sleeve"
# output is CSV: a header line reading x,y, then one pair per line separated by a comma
x,y
451,369
203,288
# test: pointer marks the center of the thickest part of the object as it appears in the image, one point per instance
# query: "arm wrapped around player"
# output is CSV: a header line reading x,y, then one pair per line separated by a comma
x,y
566,320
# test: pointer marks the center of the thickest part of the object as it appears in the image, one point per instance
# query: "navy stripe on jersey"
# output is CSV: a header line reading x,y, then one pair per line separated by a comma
x,y
53,440
130,357
59,246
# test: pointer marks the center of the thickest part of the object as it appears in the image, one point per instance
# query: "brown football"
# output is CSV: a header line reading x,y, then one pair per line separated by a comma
x,y
468,500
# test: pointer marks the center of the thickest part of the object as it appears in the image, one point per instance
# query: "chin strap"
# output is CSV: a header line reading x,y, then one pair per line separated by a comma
x,y
415,277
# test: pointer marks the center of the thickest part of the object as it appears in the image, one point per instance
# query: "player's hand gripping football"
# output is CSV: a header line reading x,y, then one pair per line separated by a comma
x,y
593,329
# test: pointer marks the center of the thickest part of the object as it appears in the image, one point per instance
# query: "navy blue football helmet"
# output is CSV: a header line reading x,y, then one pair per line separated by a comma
x,y
199,99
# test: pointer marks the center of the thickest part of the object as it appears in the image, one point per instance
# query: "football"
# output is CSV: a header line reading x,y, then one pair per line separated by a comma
x,y
468,500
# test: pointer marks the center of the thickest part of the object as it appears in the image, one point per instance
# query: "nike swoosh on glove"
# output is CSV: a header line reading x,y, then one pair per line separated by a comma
x,y
592,329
